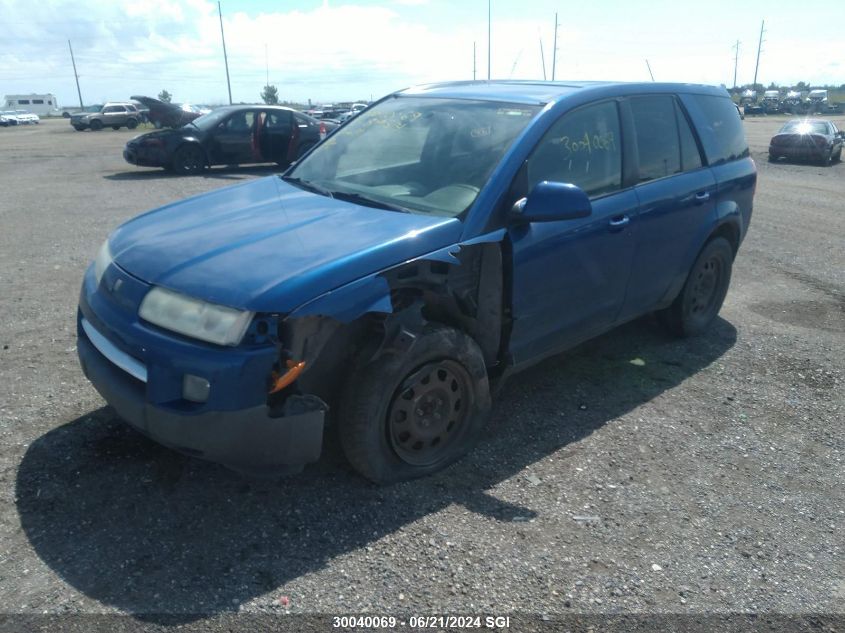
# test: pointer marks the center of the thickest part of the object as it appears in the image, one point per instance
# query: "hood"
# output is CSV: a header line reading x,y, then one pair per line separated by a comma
x,y
268,246
159,134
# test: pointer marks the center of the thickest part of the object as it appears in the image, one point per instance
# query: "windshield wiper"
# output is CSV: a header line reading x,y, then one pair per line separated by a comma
x,y
308,185
366,201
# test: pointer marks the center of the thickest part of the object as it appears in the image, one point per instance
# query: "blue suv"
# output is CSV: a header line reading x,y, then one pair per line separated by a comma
x,y
444,238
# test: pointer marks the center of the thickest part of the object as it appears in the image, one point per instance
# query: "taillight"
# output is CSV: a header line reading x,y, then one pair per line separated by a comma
x,y
322,130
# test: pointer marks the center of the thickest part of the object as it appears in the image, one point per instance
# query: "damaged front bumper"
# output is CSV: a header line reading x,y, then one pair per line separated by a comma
x,y
247,440
139,372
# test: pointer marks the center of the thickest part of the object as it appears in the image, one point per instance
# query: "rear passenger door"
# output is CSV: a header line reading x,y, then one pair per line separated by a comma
x,y
676,194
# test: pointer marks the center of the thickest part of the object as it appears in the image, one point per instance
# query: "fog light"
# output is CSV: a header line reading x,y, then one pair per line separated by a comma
x,y
194,388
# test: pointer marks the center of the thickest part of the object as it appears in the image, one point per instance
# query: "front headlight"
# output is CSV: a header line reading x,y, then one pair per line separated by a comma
x,y
103,260
194,317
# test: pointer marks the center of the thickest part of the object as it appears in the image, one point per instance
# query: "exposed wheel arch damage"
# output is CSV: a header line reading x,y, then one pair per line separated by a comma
x,y
462,286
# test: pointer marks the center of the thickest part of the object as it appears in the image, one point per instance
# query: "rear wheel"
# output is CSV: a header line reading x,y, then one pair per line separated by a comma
x,y
188,159
838,156
115,127
132,124
79,128
702,296
407,415
96,125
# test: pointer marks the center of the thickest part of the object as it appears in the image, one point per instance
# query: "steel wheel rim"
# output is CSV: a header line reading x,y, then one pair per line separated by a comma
x,y
705,287
428,412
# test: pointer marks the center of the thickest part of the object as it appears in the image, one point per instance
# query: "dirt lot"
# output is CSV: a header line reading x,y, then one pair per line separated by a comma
x,y
705,477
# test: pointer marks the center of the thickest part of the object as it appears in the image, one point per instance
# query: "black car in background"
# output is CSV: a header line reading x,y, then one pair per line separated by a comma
x,y
234,135
808,139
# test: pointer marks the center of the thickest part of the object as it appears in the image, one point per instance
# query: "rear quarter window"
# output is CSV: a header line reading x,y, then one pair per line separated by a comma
x,y
719,127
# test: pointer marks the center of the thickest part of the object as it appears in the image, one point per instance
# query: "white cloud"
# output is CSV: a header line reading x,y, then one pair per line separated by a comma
x,y
342,50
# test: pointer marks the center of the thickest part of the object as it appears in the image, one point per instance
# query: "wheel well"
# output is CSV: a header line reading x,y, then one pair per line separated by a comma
x,y
730,232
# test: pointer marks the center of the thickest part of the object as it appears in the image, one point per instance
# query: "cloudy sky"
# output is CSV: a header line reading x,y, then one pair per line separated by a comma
x,y
331,50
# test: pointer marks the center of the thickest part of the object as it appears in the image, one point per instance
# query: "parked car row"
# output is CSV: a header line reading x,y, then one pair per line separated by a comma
x,y
18,117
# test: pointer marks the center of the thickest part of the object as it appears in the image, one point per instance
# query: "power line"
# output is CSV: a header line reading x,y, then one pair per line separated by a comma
x,y
759,48
554,49
75,74
736,61
225,58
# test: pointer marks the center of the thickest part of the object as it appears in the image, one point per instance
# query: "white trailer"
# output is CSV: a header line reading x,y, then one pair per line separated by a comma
x,y
41,104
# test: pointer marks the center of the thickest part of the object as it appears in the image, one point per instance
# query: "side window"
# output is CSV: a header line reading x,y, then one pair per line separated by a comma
x,y
719,127
239,122
582,148
23,101
657,136
38,101
690,156
301,121
278,121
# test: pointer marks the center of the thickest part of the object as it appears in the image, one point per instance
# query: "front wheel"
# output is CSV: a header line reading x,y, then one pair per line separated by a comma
x,y
132,124
96,125
188,159
702,296
409,414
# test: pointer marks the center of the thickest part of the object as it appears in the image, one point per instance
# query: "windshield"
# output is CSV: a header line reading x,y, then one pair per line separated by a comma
x,y
804,127
423,155
210,120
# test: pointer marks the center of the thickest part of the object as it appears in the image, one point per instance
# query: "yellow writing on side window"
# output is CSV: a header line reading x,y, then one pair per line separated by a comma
x,y
599,142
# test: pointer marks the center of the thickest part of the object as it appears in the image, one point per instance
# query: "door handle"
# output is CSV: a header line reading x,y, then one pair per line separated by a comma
x,y
618,223
702,196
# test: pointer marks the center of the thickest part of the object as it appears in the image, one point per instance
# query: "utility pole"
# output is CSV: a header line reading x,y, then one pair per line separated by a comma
x,y
76,76
543,58
266,66
473,61
759,47
554,49
736,61
489,36
225,57
649,70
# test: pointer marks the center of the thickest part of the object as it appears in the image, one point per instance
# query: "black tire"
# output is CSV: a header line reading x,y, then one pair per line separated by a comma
x,y
827,159
132,124
772,159
96,125
65,115
115,127
837,157
79,128
408,415
304,149
188,159
704,291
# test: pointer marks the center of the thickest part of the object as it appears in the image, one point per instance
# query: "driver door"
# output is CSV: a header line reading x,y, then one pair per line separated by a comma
x,y
570,277
233,139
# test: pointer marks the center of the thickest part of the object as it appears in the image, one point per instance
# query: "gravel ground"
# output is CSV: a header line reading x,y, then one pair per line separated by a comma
x,y
635,474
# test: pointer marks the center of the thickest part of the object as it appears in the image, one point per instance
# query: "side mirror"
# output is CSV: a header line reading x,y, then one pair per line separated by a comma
x,y
552,201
